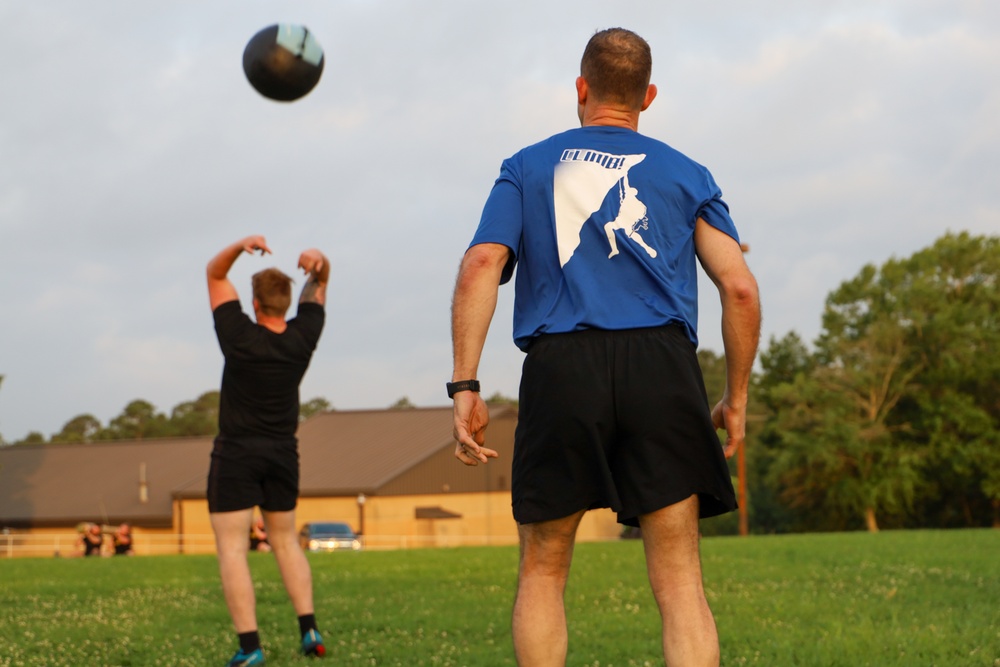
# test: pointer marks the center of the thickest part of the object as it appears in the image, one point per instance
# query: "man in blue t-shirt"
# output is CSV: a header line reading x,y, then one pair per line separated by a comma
x,y
255,460
605,226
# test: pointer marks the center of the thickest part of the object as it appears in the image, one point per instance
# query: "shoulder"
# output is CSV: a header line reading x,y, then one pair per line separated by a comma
x,y
661,150
228,308
230,312
310,316
310,309
231,323
543,149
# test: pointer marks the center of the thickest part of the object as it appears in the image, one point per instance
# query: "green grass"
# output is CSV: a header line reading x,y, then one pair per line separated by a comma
x,y
925,598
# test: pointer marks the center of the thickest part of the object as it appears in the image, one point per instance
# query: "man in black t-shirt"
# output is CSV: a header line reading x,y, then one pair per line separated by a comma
x,y
255,461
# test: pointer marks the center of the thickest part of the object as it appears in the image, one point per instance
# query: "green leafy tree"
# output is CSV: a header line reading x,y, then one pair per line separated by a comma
x,y
312,407
33,438
899,415
138,421
839,426
82,428
781,362
499,399
953,301
836,462
197,417
403,403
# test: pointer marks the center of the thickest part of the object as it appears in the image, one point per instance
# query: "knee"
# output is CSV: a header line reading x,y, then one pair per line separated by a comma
x,y
284,544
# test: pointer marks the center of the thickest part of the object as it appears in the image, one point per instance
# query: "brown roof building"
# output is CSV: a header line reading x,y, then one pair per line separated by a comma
x,y
391,474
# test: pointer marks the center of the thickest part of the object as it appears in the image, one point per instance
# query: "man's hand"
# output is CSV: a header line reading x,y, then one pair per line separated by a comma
x,y
471,419
252,244
313,262
733,420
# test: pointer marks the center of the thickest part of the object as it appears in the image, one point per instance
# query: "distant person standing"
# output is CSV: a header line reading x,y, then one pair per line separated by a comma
x,y
258,536
123,540
613,411
255,458
91,540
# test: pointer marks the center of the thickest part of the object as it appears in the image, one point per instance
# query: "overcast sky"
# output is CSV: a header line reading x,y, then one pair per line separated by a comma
x,y
132,149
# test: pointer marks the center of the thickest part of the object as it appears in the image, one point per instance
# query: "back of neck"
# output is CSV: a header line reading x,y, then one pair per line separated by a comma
x,y
271,323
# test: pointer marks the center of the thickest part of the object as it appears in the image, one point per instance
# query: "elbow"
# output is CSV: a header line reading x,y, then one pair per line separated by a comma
x,y
742,291
485,259
211,271
746,291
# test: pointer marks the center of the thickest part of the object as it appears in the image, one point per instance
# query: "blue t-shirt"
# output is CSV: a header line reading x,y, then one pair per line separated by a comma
x,y
600,221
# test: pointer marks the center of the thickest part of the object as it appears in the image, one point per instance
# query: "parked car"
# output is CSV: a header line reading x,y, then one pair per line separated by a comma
x,y
328,536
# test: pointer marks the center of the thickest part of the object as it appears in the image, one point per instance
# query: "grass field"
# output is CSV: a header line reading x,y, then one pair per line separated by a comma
x,y
924,598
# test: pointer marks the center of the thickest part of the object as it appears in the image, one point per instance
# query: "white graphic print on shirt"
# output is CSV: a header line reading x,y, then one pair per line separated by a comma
x,y
582,180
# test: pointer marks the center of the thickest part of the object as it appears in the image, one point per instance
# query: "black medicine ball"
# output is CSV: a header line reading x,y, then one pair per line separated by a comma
x,y
283,62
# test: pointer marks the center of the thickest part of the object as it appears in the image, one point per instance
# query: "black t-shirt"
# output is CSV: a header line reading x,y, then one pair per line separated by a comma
x,y
260,381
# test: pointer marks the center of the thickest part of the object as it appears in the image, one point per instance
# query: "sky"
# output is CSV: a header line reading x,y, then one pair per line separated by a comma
x,y
132,149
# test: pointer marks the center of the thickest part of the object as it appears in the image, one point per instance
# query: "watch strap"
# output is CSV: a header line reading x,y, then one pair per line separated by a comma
x,y
462,385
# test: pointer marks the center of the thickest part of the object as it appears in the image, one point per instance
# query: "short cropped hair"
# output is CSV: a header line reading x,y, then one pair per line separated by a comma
x,y
617,64
273,291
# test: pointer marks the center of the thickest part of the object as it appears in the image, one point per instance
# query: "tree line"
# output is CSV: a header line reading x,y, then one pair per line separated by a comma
x,y
140,420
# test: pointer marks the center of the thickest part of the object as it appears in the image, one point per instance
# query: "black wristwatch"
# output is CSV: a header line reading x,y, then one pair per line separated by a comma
x,y
464,385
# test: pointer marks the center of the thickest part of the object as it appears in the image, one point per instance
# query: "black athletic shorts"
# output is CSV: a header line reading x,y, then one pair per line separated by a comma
x,y
253,473
615,419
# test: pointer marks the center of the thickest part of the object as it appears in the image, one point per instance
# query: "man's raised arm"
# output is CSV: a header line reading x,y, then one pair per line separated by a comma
x,y
220,288
317,268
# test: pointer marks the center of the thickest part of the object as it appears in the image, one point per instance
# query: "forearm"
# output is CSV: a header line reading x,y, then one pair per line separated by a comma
x,y
473,306
314,291
740,337
219,266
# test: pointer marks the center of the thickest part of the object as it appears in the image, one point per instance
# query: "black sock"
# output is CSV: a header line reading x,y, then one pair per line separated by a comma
x,y
307,622
249,641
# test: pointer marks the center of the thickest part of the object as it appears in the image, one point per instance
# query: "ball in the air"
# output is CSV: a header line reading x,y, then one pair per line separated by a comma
x,y
283,62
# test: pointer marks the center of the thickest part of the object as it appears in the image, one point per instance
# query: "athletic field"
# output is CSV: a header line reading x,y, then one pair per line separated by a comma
x,y
923,598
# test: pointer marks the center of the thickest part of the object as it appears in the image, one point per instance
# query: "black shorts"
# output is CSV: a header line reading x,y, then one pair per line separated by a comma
x,y
255,473
615,419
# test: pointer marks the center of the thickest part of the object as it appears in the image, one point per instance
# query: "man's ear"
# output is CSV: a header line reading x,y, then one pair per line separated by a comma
x,y
581,90
650,96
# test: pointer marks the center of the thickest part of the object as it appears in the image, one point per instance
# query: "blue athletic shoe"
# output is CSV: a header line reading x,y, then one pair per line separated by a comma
x,y
312,644
251,659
